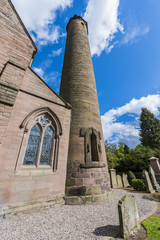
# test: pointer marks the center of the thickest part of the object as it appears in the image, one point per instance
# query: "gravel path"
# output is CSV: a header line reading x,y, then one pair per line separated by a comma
x,y
63,222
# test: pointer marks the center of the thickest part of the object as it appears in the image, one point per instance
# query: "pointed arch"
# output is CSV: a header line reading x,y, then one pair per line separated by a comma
x,y
47,145
42,111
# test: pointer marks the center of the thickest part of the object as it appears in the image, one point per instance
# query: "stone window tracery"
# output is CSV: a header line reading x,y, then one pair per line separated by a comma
x,y
40,142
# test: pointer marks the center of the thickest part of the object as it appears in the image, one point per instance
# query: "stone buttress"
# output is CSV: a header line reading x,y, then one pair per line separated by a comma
x,y
87,172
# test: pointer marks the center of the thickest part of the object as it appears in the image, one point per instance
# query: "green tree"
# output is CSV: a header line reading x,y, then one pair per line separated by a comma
x,y
140,157
116,154
137,159
124,159
150,129
112,159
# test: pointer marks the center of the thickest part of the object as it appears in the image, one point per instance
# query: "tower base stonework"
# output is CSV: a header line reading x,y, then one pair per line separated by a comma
x,y
88,185
89,199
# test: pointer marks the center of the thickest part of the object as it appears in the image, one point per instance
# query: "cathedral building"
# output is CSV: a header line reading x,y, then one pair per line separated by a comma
x,y
51,146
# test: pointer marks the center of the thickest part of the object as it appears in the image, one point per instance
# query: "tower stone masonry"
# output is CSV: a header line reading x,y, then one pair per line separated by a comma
x,y
87,173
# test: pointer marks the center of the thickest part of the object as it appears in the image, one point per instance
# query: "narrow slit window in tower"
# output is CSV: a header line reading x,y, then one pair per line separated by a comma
x,y
94,150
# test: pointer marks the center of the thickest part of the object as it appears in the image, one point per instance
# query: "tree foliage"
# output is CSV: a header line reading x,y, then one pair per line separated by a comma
x,y
150,129
124,159
138,184
131,176
115,153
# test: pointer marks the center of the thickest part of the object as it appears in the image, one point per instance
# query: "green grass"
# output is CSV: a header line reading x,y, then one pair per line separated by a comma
x,y
152,226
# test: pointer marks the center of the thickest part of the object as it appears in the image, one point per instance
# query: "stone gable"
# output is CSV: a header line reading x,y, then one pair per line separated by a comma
x,y
34,85
15,42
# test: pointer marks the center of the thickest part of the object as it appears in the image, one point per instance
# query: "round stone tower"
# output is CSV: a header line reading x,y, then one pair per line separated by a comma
x,y
87,172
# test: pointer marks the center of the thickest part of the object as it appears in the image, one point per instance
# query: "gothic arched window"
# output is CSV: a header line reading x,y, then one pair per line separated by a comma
x,y
40,143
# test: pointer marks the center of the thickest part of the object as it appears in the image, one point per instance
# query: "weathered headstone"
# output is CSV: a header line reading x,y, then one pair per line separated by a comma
x,y
125,180
148,182
113,178
153,179
155,164
128,216
119,181
156,167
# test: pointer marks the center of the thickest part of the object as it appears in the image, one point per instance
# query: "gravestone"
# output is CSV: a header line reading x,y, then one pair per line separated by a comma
x,y
153,179
113,178
125,180
148,182
156,167
155,164
119,181
128,216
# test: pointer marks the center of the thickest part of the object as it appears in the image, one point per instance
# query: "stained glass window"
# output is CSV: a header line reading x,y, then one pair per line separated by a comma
x,y
32,146
44,120
46,147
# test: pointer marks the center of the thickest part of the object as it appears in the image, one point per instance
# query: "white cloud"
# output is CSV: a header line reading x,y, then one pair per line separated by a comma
x,y
134,33
39,17
39,71
128,131
55,53
103,22
51,78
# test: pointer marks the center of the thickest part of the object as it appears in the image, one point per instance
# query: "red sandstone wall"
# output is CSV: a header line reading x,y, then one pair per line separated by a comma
x,y
15,45
21,92
27,185
33,84
5,113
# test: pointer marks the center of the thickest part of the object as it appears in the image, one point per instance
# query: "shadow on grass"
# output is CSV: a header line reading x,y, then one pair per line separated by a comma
x,y
109,230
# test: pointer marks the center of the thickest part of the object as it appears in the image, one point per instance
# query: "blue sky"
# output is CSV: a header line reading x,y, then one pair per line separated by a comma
x,y
124,38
